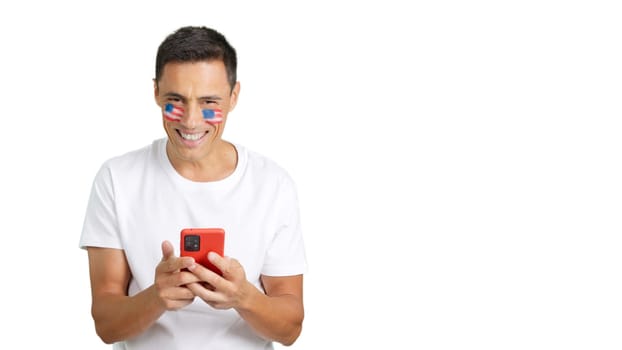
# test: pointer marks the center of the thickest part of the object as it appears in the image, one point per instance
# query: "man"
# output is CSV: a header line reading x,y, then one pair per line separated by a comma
x,y
144,296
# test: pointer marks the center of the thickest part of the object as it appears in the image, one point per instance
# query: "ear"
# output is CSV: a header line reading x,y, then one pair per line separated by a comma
x,y
156,92
233,100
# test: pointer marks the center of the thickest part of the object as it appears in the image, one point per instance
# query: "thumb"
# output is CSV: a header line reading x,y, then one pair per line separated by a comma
x,y
167,250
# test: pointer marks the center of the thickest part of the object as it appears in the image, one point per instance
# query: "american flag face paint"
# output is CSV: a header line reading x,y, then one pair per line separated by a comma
x,y
172,113
175,113
212,116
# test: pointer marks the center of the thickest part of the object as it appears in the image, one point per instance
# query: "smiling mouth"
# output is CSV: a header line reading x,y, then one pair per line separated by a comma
x,y
192,136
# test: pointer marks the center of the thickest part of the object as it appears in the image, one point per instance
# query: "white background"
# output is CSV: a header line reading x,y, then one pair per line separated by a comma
x,y
458,163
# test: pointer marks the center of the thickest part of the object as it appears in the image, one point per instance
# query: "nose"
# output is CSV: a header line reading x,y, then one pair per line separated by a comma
x,y
193,117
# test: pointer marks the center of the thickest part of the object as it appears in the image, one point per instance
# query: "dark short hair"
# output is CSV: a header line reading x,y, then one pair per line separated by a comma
x,y
195,44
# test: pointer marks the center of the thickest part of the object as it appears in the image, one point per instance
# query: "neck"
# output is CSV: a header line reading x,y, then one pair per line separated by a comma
x,y
217,164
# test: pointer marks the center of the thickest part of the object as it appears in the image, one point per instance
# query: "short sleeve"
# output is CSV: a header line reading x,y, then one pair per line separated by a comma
x,y
100,227
286,253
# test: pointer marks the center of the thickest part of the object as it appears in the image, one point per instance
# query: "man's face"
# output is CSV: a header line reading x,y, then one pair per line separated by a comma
x,y
195,92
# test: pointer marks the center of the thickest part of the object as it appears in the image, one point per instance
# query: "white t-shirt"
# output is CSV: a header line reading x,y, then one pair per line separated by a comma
x,y
139,200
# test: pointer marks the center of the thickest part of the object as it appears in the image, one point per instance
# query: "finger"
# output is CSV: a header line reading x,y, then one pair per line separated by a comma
x,y
188,277
230,267
178,304
176,298
172,263
207,295
179,293
167,250
179,279
220,262
209,276
175,264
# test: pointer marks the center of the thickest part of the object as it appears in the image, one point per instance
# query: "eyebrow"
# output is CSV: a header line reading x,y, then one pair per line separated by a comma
x,y
183,98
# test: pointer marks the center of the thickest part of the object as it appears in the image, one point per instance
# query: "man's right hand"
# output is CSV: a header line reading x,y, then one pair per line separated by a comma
x,y
171,277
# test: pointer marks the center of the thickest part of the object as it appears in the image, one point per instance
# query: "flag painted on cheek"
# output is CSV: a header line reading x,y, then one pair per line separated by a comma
x,y
212,116
172,113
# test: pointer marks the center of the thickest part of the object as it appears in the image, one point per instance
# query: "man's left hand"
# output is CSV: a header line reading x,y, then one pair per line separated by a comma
x,y
229,291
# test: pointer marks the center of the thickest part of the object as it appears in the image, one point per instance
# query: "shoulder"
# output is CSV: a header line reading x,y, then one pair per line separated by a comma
x,y
261,165
134,158
129,165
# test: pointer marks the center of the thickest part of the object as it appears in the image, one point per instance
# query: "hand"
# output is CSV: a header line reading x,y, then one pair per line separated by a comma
x,y
228,291
170,280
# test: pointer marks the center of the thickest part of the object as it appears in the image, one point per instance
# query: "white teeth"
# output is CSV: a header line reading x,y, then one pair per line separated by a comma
x,y
191,137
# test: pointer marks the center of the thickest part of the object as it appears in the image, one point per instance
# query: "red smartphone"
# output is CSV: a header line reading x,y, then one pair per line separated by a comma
x,y
197,242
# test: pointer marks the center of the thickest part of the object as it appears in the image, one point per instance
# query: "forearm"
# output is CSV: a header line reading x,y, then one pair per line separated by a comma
x,y
277,318
120,317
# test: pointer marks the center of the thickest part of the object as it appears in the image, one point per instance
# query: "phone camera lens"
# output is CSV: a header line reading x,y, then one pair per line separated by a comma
x,y
192,243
